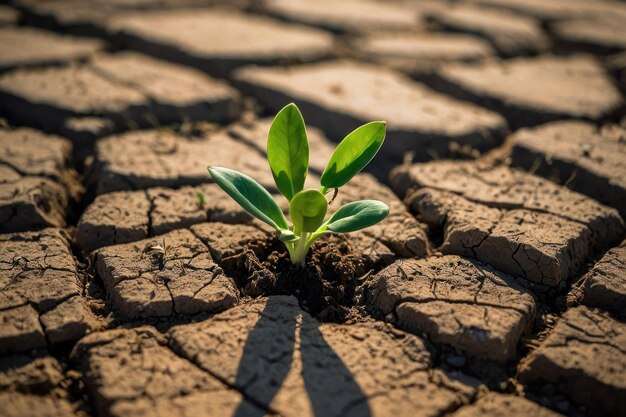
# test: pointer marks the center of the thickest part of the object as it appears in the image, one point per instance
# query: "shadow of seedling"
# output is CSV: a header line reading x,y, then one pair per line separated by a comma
x,y
280,338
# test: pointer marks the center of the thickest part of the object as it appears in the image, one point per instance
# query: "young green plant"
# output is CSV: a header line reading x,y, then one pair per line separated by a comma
x,y
288,157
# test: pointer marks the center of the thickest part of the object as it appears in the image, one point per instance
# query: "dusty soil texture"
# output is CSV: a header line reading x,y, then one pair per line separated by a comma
x,y
591,35
132,285
556,11
118,364
121,217
420,54
559,88
587,159
348,94
584,357
172,274
349,16
219,41
605,284
37,185
458,302
152,158
509,33
519,223
30,373
499,405
25,405
34,47
8,16
283,359
42,292
84,101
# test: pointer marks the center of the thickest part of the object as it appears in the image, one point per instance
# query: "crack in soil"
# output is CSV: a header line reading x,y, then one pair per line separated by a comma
x,y
224,381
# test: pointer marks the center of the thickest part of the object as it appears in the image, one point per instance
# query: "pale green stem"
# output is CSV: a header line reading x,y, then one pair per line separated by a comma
x,y
298,255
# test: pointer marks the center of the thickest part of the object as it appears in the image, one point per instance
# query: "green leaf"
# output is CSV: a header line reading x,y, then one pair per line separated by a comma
x,y
250,195
357,215
288,150
353,153
286,235
308,209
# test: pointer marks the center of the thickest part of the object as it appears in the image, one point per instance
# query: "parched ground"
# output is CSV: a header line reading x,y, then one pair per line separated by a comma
x,y
131,285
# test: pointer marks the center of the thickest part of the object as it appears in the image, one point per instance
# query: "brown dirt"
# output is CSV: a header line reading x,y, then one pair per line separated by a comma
x,y
495,287
325,286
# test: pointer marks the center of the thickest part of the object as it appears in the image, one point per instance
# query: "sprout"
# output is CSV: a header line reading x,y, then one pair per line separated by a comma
x,y
288,156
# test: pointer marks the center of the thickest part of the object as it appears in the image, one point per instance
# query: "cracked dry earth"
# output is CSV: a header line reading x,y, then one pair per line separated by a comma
x,y
495,287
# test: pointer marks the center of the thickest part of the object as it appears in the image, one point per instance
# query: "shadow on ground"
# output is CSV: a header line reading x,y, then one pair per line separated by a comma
x,y
330,386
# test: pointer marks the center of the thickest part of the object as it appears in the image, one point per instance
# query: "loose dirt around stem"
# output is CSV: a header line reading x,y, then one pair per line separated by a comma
x,y
325,286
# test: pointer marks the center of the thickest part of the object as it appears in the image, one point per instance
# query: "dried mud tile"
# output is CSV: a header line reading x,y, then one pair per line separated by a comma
x,y
400,232
197,37
503,405
226,240
509,33
520,223
349,94
38,272
169,274
457,302
26,405
8,16
557,10
585,358
39,267
32,203
36,185
8,174
531,91
177,92
160,158
89,18
605,285
585,158
128,216
71,91
69,320
282,358
114,218
598,36
85,101
348,16
172,209
505,188
36,374
33,153
11,299
20,329
542,248
25,46
133,373
419,54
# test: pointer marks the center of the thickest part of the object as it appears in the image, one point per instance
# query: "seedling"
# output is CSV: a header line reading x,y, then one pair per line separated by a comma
x,y
200,198
288,156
